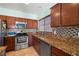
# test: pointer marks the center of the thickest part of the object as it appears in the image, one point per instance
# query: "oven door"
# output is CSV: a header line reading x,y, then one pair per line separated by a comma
x,y
22,39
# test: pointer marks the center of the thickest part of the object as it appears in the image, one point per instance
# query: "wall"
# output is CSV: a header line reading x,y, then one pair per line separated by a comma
x,y
10,12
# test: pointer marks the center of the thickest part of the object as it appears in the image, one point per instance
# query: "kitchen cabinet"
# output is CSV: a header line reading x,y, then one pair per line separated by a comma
x,y
34,24
30,39
20,20
2,17
10,43
11,22
70,16
55,16
36,44
42,48
65,14
29,24
57,52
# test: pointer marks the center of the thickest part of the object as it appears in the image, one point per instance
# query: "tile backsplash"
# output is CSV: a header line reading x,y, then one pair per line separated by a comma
x,y
66,32
23,30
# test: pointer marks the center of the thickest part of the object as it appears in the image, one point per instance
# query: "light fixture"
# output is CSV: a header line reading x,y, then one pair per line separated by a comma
x,y
27,3
57,14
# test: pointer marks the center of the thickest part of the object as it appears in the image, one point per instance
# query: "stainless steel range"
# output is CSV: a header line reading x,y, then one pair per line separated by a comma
x,y
21,41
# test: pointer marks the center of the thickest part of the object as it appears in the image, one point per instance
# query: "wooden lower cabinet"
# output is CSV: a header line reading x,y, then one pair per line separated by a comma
x,y
45,49
10,43
30,40
36,44
57,52
41,47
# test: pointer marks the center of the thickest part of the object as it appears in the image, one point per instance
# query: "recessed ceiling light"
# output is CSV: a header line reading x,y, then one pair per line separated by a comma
x,y
26,3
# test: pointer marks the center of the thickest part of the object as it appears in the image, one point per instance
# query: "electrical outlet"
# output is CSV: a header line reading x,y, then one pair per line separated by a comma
x,y
78,34
55,32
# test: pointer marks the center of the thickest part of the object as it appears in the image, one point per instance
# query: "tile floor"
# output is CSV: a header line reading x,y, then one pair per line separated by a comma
x,y
30,51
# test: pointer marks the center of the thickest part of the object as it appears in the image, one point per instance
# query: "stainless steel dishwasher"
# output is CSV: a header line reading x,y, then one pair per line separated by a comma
x,y
45,49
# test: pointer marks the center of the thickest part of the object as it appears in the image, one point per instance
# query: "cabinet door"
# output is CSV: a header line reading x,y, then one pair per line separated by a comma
x,y
30,39
70,14
36,44
55,15
34,24
20,20
29,24
3,17
10,22
58,52
10,42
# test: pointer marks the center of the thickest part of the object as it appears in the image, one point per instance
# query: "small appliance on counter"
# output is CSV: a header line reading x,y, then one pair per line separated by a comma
x,y
11,33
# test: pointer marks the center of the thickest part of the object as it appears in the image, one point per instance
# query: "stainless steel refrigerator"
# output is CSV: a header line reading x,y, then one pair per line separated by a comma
x,y
3,26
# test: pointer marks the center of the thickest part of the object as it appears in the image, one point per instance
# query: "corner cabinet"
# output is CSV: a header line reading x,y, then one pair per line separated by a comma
x,y
65,14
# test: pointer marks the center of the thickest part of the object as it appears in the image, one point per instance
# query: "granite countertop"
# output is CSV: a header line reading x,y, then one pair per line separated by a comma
x,y
68,45
2,50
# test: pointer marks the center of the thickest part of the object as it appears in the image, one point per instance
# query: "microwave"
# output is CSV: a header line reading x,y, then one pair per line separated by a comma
x,y
21,25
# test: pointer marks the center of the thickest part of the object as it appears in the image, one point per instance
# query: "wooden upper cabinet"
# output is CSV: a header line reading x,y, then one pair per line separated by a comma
x,y
29,24
65,14
2,17
10,22
35,24
32,24
25,20
19,20
55,16
70,16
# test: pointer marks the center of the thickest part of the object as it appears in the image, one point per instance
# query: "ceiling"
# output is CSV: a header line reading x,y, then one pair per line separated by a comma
x,y
39,9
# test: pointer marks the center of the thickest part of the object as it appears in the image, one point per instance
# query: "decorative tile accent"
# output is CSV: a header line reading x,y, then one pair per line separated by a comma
x,y
67,32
